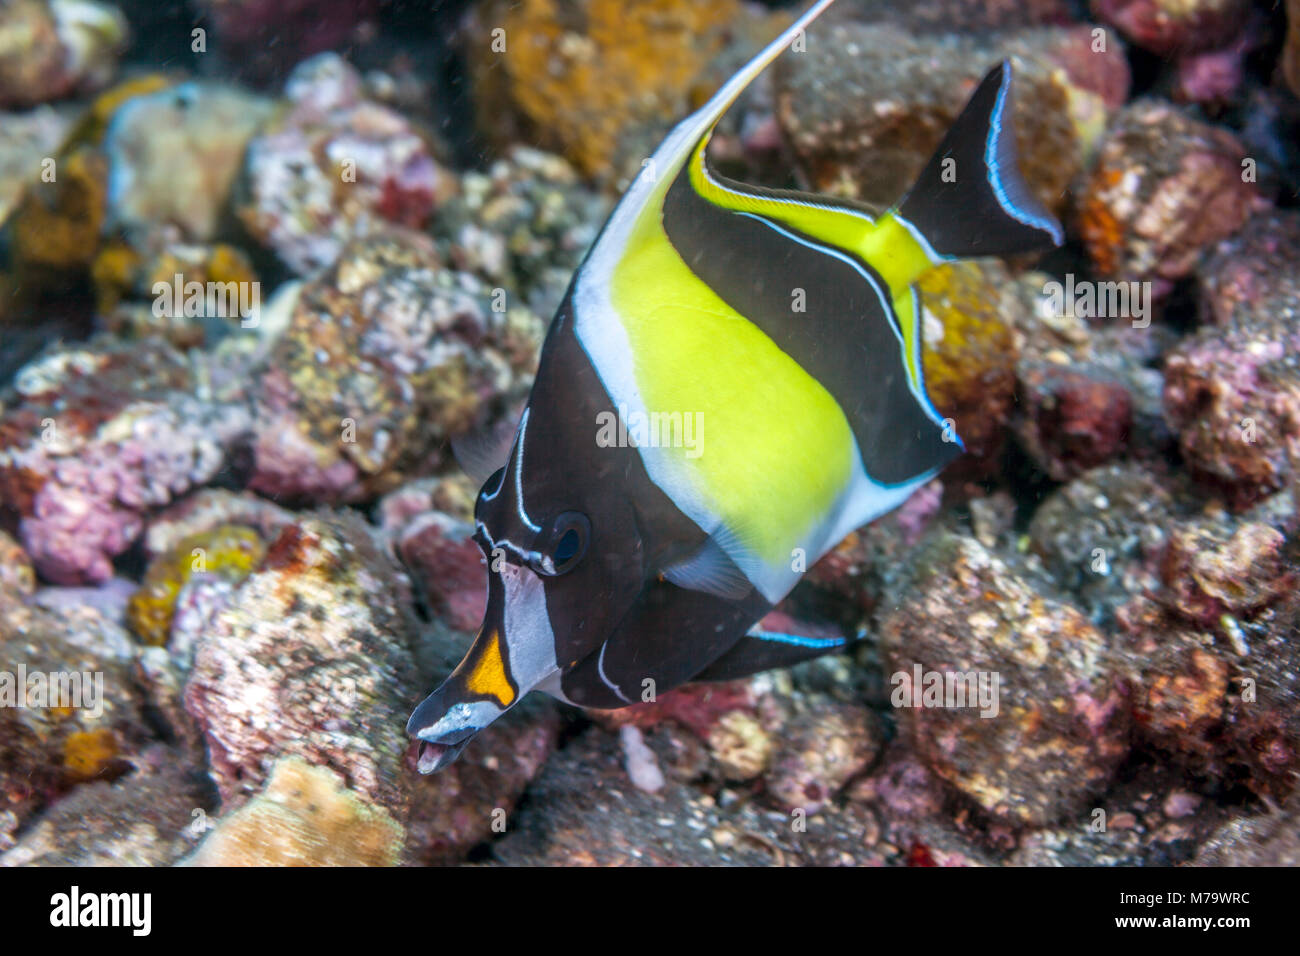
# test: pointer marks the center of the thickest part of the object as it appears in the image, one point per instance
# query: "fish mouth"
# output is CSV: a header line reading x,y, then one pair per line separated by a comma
x,y
444,730
438,746
433,756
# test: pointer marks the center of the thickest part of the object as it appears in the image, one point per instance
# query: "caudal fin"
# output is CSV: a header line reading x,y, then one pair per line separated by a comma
x,y
971,199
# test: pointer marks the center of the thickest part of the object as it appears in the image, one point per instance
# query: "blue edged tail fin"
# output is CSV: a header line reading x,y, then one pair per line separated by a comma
x,y
971,199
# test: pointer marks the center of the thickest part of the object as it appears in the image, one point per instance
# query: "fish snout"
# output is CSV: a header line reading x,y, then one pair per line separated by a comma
x,y
513,653
445,722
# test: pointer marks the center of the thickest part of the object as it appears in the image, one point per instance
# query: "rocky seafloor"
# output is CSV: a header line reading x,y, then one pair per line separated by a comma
x,y
247,520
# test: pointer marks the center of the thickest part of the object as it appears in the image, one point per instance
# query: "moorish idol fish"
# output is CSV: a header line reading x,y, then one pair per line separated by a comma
x,y
783,325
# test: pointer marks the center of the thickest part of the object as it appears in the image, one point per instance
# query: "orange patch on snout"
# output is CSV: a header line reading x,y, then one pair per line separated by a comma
x,y
489,674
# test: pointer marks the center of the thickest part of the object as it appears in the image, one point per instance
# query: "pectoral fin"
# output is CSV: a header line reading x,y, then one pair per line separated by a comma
x,y
711,570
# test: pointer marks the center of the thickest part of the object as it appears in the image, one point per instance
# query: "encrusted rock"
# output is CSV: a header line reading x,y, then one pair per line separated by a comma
x,y
150,818
970,355
1233,397
17,577
174,155
1173,26
305,816
1101,535
598,81
522,226
1054,727
334,166
818,752
54,48
386,356
1071,420
470,802
1253,279
1164,188
867,105
70,712
93,437
310,656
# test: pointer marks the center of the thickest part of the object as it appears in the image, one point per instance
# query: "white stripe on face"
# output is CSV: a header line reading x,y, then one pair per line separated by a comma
x,y
519,474
526,628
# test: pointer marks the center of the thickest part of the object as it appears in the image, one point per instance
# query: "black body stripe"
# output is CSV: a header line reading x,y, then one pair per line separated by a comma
x,y
845,338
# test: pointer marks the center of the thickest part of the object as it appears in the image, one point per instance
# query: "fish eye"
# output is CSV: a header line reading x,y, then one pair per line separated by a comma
x,y
565,543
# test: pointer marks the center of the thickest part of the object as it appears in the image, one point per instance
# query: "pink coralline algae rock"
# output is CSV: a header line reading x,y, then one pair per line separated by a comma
x,y
386,356
310,656
1208,574
1072,419
1233,390
697,707
1174,26
439,551
452,494
1046,737
1253,279
1214,75
302,27
1233,396
1165,187
334,166
463,805
954,16
1211,656
901,785
819,751
93,438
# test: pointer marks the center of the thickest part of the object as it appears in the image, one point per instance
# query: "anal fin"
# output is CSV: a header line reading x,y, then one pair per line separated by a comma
x,y
762,650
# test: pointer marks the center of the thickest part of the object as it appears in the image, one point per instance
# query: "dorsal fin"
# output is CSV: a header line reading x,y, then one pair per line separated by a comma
x,y
985,208
708,115
677,147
